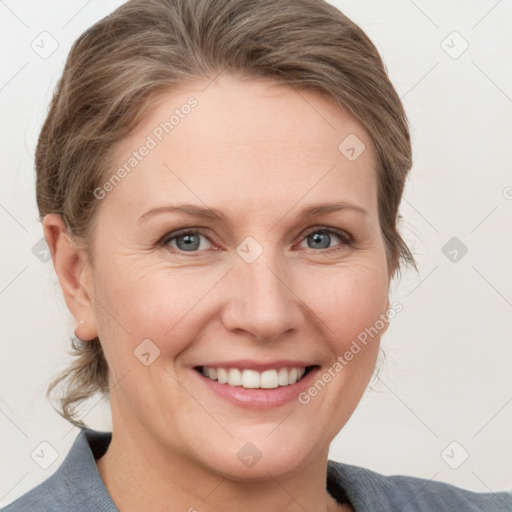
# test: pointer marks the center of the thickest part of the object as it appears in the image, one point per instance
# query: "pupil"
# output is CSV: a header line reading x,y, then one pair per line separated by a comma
x,y
191,242
321,237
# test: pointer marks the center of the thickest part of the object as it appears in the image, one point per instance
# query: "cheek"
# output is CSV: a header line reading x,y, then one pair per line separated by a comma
x,y
170,306
152,301
348,300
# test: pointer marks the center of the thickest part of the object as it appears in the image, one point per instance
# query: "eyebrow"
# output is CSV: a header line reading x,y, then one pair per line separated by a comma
x,y
213,214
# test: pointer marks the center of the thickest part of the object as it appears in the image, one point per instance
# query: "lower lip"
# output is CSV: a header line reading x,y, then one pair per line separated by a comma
x,y
259,398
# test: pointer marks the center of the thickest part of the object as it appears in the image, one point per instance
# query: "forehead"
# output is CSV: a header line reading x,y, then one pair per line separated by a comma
x,y
256,142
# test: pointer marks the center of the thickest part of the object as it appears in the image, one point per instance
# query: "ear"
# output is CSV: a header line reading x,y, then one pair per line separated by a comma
x,y
74,274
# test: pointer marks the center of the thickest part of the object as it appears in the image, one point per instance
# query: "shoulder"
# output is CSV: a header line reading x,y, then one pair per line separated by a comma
x,y
76,484
45,496
367,489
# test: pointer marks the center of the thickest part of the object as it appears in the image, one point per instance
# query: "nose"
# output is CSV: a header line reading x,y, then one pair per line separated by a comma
x,y
261,301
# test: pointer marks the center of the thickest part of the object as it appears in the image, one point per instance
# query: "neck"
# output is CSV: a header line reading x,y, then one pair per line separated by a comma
x,y
139,475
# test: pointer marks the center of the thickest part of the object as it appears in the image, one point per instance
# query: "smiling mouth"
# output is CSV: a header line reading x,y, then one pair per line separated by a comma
x,y
253,379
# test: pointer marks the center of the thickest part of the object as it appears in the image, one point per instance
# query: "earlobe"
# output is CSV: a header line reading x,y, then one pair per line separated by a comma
x,y
73,272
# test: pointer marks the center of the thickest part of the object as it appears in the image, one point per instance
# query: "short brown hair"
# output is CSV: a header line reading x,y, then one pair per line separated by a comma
x,y
118,66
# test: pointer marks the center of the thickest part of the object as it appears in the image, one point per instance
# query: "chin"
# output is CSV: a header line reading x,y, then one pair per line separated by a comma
x,y
252,458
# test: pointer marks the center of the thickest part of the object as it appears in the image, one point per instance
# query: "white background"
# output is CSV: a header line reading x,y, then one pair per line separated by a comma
x,y
448,372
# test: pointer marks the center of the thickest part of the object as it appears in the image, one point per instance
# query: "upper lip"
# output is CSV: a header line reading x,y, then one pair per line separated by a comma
x,y
246,364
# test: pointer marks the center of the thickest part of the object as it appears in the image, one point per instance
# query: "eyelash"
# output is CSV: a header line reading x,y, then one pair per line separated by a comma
x,y
346,238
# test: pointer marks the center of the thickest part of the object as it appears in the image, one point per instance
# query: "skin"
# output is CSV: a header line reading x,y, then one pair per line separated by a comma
x,y
259,152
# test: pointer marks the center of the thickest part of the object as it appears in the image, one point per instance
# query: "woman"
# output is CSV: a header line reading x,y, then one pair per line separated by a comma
x,y
218,183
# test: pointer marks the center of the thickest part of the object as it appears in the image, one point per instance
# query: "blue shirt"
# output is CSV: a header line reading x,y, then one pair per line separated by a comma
x,y
77,486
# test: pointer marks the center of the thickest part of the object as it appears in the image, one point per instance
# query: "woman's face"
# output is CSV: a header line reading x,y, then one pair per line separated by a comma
x,y
233,273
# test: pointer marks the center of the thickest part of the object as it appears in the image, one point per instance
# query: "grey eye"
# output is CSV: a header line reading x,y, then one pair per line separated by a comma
x,y
188,241
319,240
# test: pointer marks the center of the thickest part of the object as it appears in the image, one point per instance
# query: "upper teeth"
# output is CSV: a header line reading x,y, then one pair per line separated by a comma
x,y
254,379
